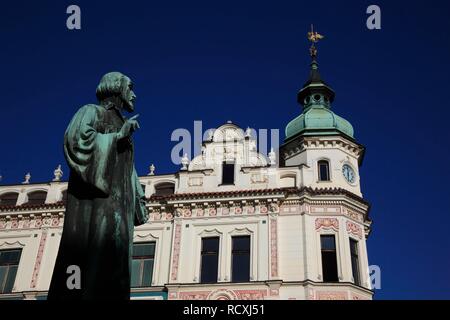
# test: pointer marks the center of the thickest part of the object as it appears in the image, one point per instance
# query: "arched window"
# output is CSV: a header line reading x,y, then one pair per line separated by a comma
x,y
9,199
37,197
164,188
323,167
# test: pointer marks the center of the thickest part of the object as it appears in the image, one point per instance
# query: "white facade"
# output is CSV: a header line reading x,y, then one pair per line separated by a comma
x,y
283,209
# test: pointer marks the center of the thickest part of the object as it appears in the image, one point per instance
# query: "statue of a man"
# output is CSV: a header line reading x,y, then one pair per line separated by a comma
x,y
105,199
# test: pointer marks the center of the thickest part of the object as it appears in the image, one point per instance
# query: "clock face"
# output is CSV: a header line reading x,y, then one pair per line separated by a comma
x,y
348,173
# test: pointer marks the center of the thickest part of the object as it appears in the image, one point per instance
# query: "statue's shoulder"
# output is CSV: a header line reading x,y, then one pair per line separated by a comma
x,y
91,109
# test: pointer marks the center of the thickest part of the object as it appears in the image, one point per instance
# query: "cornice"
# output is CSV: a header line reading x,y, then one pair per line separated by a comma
x,y
285,192
33,207
205,205
295,146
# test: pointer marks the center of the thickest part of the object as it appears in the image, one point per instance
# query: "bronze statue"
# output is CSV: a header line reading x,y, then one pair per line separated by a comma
x,y
105,199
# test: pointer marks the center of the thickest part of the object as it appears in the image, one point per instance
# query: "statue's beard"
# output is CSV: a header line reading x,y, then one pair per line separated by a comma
x,y
127,104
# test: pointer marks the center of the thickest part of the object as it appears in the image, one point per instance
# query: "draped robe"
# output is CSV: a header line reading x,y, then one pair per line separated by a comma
x,y
105,202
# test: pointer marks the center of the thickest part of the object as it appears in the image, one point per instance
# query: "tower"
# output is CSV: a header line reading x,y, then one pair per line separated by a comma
x,y
319,138
336,221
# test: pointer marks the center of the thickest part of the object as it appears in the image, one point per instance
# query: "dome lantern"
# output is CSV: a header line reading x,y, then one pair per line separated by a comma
x,y
316,97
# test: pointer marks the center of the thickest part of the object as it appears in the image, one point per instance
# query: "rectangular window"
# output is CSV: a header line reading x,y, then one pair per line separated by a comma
x,y
227,173
209,260
142,264
164,189
240,259
355,261
9,262
324,172
329,259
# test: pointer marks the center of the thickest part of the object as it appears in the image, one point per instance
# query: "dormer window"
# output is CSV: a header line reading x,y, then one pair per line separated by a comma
x,y
164,189
227,173
9,199
36,197
323,167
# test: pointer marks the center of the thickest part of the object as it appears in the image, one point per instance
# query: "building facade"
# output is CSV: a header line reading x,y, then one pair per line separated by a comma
x,y
232,223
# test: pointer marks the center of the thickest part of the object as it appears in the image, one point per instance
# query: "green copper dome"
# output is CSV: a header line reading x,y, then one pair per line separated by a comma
x,y
317,118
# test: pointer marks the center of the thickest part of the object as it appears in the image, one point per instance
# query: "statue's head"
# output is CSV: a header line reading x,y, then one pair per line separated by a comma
x,y
119,86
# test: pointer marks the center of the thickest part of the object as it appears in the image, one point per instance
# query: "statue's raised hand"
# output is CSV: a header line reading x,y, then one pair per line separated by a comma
x,y
128,127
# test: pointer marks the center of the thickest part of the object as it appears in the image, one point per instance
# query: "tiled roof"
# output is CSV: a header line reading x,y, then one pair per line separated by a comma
x,y
178,196
25,206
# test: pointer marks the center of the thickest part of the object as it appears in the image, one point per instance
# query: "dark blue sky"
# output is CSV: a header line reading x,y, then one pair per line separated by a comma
x,y
245,61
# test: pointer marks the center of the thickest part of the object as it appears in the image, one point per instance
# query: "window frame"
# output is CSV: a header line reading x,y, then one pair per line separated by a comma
x,y
142,263
249,257
358,280
8,193
17,264
201,259
336,253
319,175
229,163
28,202
164,185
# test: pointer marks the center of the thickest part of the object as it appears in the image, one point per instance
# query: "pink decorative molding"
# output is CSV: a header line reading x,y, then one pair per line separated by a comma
x,y
37,265
222,294
47,221
358,297
38,222
250,209
156,216
55,222
176,252
273,248
327,223
169,216
327,209
331,295
274,292
33,222
251,294
353,228
187,213
173,295
353,215
193,295
26,223
14,223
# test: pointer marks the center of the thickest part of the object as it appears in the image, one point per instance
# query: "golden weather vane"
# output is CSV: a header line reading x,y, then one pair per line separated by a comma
x,y
314,37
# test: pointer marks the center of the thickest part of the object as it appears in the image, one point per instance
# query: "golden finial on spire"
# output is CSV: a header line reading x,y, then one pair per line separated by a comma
x,y
314,37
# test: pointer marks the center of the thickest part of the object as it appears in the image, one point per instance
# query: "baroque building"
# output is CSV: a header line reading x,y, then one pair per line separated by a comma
x,y
232,223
